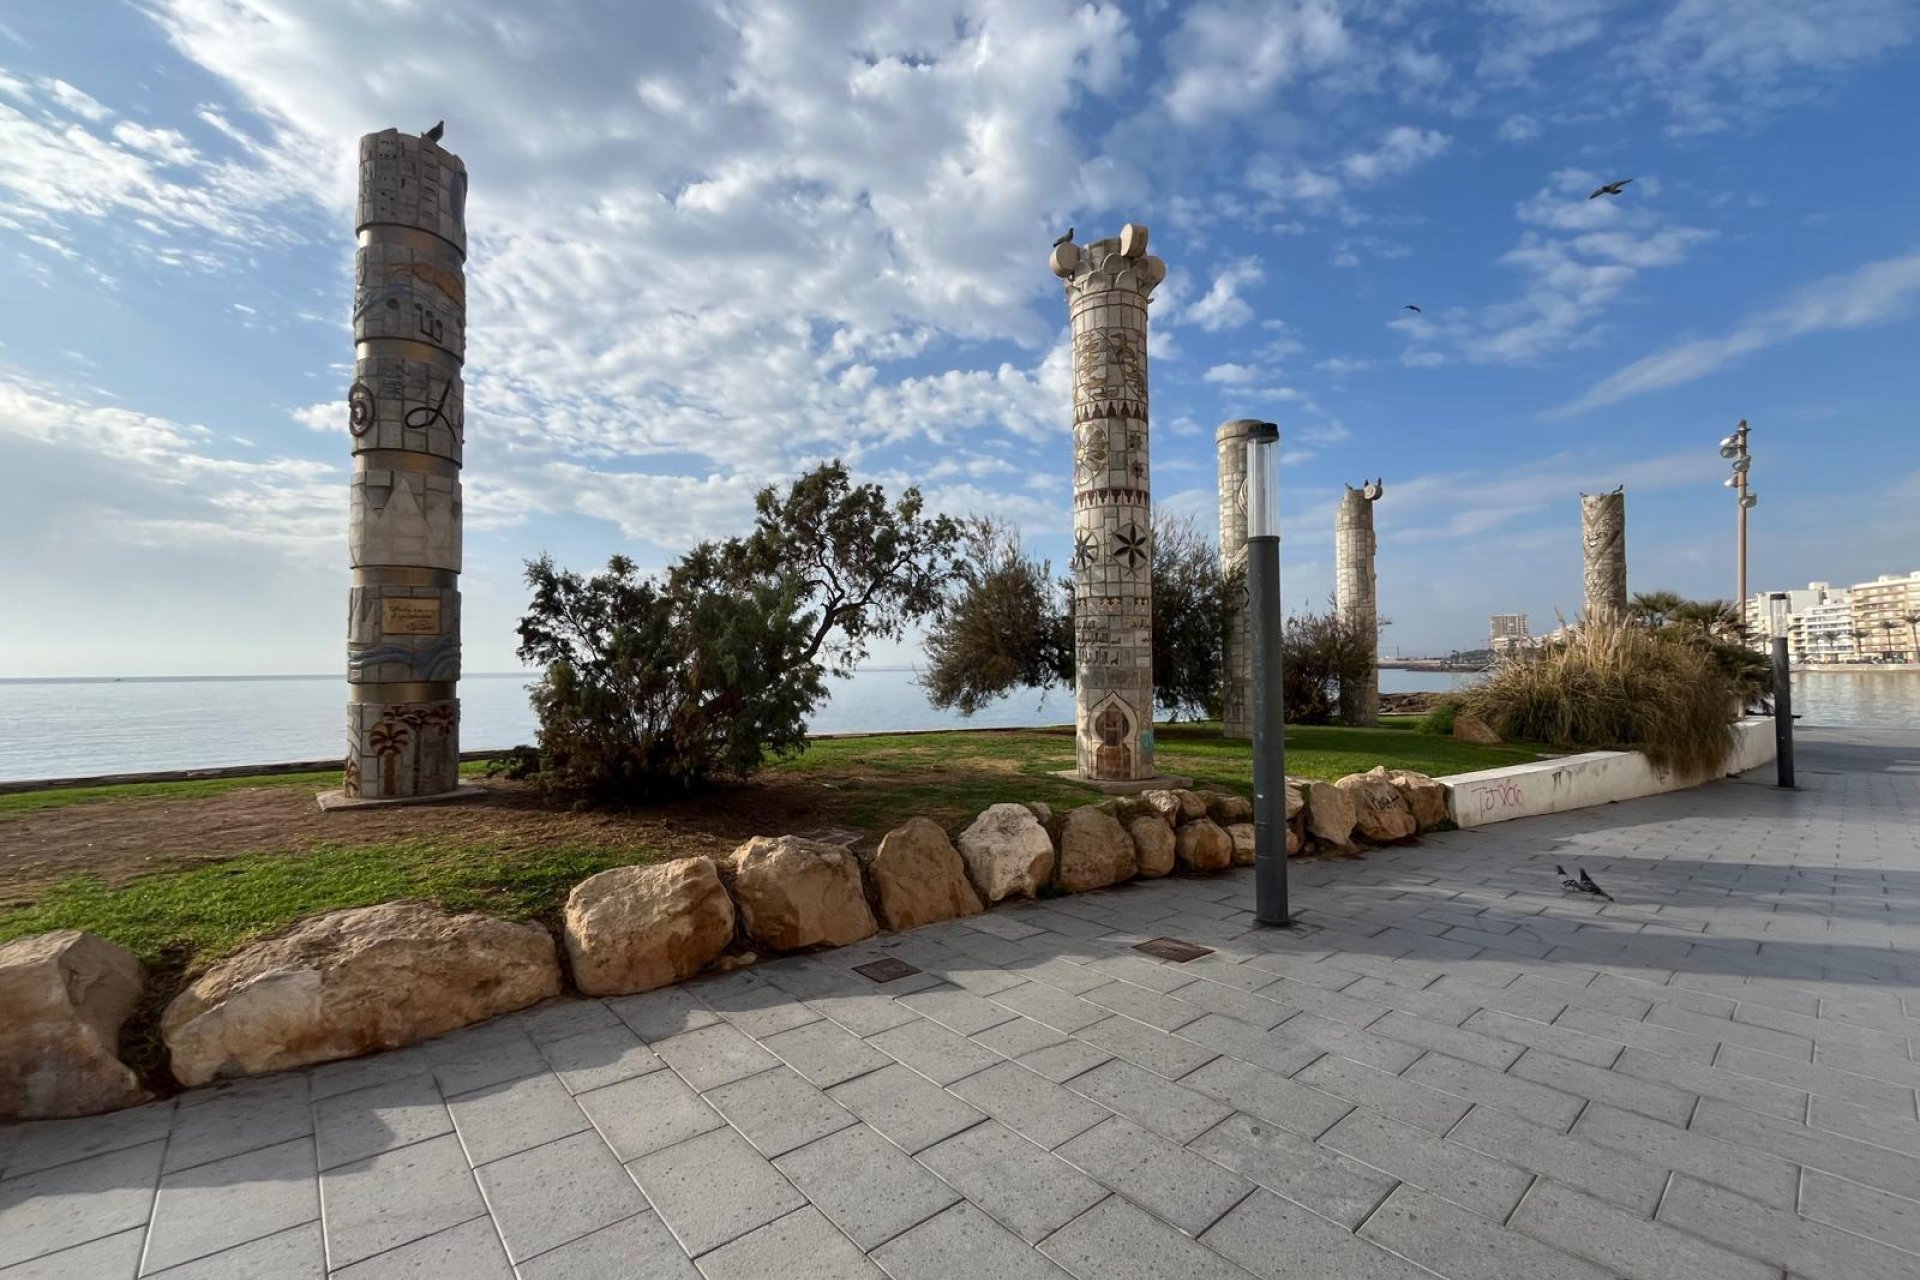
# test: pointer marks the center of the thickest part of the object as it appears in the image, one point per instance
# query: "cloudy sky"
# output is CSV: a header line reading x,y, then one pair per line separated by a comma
x,y
713,243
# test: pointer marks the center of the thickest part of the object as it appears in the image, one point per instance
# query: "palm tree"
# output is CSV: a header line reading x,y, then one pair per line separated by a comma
x,y
1859,635
1888,625
1912,619
1655,608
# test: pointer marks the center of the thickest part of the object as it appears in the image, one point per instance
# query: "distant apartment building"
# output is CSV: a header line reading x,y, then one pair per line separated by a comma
x,y
1759,610
1886,614
1508,634
1823,632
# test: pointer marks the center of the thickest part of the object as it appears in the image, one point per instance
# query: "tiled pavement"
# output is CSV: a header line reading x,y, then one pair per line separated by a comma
x,y
1450,1068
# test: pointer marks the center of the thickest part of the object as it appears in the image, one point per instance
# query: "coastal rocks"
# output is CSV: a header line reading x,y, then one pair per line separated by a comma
x,y
1241,833
1007,853
634,929
1095,851
1228,810
1330,815
795,893
1296,797
1468,727
1175,806
1425,797
1381,813
1201,845
63,997
1153,845
917,877
353,981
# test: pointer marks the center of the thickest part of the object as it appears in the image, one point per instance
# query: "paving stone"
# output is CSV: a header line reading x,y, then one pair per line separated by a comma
x,y
214,1206
905,1107
640,1116
1276,1239
1890,1219
864,1013
1809,1250
1171,1110
801,1246
1648,1097
1330,1184
550,1195
1476,1182
386,1200
42,1144
826,1053
1185,1189
561,1018
73,1203
1433,1006
713,1056
353,1126
1863,1124
229,1119
940,1055
1115,1239
1062,1062
1810,1148
1052,1006
330,1078
1565,1041
114,1255
1402,1099
519,1115
1454,1242
963,1243
870,1188
476,1057
1754,1174
1028,1190
1484,1050
1843,1086
1275,1050
471,1251
778,1111
713,1189
600,1057
1143,1004
1019,1035
1736,1031
957,1010
1489,1088
754,1005
1238,1003
658,1015
1272,1097
298,1253
1626,1243
1611,1175
636,1248
1030,1104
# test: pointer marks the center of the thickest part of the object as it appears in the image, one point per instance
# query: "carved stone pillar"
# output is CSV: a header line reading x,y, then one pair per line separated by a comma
x,y
1108,284
1356,595
1230,444
406,415
1603,538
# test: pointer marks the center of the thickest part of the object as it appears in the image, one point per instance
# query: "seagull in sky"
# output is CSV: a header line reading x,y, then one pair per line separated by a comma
x,y
1610,189
1412,308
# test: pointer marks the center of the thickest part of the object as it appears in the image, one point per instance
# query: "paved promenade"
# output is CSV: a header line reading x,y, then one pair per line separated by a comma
x,y
1452,1068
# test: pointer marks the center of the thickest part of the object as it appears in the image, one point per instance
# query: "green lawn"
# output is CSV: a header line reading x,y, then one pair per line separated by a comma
x,y
15,803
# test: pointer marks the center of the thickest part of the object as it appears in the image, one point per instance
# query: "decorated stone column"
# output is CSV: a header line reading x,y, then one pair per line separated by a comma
x,y
407,423
1230,444
1108,284
1356,595
1603,537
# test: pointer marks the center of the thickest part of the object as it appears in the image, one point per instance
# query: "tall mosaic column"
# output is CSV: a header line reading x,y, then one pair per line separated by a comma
x,y
1108,284
407,420
1230,444
1356,594
1603,537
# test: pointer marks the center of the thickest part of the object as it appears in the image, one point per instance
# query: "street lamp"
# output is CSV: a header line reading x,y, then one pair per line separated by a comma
x,y
1782,690
1734,448
1269,714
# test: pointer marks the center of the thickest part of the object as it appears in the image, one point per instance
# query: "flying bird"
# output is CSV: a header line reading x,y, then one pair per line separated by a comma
x,y
1411,307
1610,189
1065,239
438,131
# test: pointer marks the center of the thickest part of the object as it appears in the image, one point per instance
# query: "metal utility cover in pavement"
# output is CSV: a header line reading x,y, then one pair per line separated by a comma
x,y
1172,949
885,970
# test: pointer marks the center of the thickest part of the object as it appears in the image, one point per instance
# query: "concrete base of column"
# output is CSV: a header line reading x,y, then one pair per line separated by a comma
x,y
1128,787
332,800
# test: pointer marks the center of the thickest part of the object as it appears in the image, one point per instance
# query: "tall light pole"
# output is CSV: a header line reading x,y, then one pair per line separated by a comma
x,y
1269,713
1734,448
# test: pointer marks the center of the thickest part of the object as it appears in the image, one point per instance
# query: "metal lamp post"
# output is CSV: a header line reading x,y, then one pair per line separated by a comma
x,y
1734,448
1782,691
1269,715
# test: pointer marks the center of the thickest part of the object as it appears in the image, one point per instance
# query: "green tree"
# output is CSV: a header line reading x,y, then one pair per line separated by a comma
x,y
1655,608
1912,619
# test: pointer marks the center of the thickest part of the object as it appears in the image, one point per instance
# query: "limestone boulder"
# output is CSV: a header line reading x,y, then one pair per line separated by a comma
x,y
1330,815
1175,806
918,877
1380,813
1295,841
350,982
795,893
1296,797
634,929
63,997
1427,798
1468,727
1228,810
1202,845
1041,810
1241,833
1152,844
1007,852
1095,851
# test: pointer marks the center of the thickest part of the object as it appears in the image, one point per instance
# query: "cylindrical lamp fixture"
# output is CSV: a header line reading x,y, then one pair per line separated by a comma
x,y
1269,716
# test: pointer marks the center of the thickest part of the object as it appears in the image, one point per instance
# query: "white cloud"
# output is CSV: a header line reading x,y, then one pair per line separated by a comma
x,y
1232,375
1222,307
1401,149
75,101
1874,293
1519,127
1227,57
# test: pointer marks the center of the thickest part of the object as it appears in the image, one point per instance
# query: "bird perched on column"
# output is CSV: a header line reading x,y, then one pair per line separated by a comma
x,y
1065,239
437,132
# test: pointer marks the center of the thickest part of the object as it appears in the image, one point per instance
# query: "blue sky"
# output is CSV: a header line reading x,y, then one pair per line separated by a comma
x,y
715,243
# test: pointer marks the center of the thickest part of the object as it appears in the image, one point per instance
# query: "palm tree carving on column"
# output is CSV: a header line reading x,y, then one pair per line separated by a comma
x,y
387,740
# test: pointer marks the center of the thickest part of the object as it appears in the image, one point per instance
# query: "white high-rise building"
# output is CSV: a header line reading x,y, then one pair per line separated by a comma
x,y
1823,633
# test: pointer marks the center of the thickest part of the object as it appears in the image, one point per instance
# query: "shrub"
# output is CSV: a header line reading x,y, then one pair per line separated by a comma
x,y
1439,721
1616,685
1319,653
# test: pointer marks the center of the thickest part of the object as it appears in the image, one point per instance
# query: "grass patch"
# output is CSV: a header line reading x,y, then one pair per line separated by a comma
x,y
15,804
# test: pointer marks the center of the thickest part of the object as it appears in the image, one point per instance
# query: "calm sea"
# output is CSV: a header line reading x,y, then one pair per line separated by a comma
x,y
73,728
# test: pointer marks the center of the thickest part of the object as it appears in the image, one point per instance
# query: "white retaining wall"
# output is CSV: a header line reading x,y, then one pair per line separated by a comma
x,y
1574,782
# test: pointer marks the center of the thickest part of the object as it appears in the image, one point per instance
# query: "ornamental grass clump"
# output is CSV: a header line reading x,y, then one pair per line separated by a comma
x,y
1616,686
